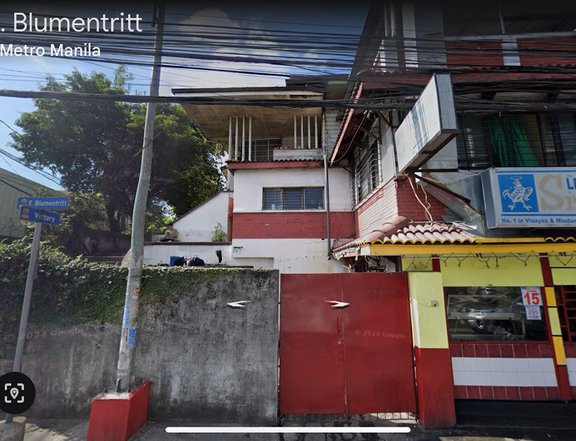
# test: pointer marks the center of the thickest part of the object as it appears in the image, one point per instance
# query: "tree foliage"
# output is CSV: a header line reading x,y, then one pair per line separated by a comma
x,y
95,146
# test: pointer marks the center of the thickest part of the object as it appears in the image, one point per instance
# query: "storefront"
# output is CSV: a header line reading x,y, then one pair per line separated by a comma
x,y
509,306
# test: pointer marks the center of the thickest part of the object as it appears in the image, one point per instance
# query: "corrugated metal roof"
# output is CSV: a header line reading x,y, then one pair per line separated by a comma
x,y
429,233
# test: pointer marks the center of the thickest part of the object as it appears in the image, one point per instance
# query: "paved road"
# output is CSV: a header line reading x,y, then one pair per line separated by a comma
x,y
75,430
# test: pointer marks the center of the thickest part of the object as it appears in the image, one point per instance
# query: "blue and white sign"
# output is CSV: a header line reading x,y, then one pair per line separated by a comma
x,y
530,197
44,217
44,202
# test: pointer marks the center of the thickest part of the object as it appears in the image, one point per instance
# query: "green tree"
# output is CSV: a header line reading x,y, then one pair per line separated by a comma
x,y
84,217
95,146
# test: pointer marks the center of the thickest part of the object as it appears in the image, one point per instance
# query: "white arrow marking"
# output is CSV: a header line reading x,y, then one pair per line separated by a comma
x,y
336,304
239,304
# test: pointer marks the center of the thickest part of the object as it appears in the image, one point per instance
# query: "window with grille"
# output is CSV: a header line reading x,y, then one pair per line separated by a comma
x,y
367,165
263,148
517,140
293,198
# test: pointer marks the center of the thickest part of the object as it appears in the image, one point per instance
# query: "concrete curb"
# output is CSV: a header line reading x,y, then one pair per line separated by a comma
x,y
13,431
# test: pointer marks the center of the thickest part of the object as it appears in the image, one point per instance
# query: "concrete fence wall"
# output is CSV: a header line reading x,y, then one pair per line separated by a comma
x,y
207,362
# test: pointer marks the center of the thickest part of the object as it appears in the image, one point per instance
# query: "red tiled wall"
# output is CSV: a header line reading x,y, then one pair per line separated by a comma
x,y
292,225
513,393
504,350
501,350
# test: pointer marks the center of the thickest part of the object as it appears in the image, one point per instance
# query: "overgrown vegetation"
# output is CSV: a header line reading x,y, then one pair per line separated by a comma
x,y
218,233
71,291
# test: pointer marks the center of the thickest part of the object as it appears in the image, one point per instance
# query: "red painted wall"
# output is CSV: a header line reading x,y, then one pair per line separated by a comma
x,y
292,225
435,394
117,419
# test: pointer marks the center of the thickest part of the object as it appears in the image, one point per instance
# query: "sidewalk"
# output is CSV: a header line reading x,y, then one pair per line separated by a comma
x,y
75,430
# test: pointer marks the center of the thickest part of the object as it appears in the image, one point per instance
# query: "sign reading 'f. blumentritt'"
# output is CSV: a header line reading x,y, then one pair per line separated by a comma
x,y
27,22
530,197
35,209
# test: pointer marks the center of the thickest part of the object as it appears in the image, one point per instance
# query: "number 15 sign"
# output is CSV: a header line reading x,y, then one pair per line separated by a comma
x,y
531,296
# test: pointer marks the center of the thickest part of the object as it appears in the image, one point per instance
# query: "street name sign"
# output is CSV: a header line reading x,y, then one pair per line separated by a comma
x,y
44,217
44,202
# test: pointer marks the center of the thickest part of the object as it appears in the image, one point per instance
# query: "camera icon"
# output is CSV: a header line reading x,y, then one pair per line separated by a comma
x,y
14,393
17,393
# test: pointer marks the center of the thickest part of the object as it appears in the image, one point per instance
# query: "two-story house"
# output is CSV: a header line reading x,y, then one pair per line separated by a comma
x,y
282,186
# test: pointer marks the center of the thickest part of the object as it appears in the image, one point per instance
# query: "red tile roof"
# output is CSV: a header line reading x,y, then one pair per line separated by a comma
x,y
426,233
429,233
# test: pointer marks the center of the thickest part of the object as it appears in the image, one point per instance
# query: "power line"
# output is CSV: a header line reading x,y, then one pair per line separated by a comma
x,y
42,173
9,127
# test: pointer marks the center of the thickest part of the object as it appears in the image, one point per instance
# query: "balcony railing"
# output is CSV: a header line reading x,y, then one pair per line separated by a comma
x,y
302,142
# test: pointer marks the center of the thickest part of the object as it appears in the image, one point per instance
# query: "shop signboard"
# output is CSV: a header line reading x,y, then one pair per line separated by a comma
x,y
532,301
530,197
429,125
531,296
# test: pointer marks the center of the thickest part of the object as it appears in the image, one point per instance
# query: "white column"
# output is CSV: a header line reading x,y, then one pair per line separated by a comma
x,y
315,131
249,138
243,138
301,131
309,145
295,133
230,137
236,141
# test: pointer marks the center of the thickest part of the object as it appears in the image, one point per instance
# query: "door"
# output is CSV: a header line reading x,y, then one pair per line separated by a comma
x,y
345,344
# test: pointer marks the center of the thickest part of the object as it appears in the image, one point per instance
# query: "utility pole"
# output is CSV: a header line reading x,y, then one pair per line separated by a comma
x,y
130,317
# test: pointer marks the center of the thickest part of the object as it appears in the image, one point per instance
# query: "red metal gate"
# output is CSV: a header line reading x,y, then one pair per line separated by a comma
x,y
345,359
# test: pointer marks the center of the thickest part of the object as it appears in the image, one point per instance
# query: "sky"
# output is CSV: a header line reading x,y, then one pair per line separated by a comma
x,y
257,30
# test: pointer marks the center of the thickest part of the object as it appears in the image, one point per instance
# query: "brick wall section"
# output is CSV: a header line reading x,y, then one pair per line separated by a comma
x,y
558,51
293,225
394,198
547,51
474,53
410,208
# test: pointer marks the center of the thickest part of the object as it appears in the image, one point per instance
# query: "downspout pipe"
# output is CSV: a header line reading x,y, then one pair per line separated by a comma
x,y
326,196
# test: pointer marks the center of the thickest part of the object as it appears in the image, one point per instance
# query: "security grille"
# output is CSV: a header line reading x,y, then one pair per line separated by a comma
x,y
293,198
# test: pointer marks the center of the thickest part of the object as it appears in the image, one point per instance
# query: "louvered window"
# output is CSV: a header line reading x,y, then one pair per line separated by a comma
x,y
293,198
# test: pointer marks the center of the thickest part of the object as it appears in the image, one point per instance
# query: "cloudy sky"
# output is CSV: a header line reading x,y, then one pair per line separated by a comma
x,y
207,43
